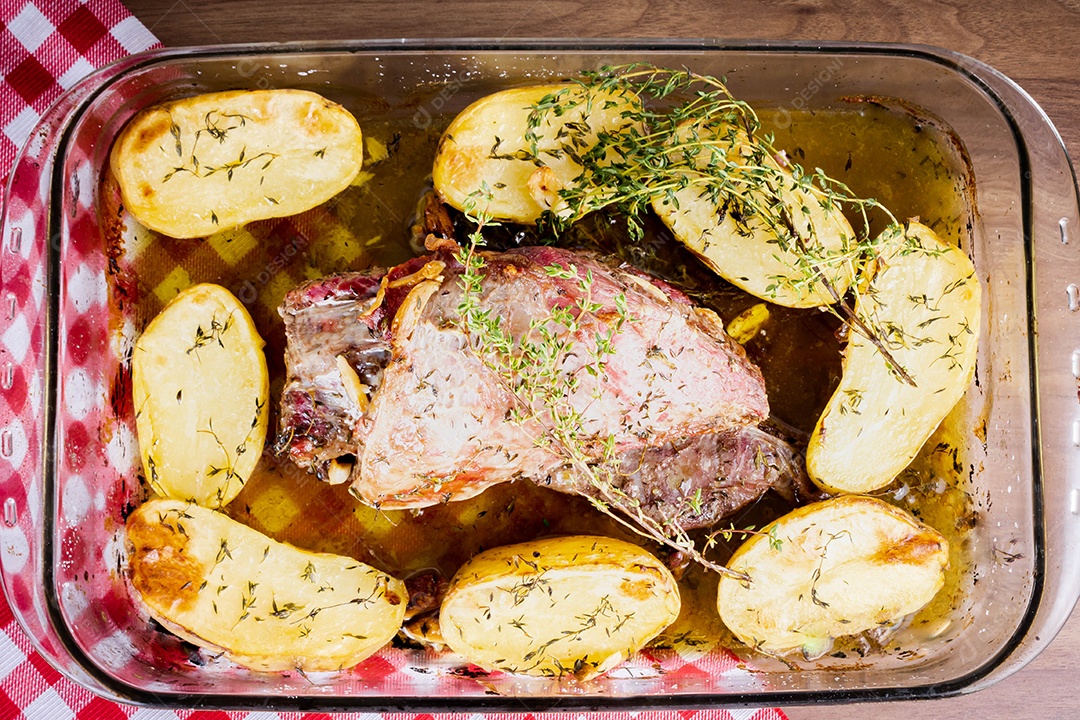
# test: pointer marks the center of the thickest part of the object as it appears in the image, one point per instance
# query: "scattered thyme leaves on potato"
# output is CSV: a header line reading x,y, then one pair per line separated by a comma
x,y
266,605
200,386
196,166
842,566
575,605
926,298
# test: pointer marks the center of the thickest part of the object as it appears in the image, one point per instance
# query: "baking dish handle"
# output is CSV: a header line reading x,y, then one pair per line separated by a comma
x,y
1052,234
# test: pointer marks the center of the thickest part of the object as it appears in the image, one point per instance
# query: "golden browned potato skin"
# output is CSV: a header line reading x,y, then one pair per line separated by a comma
x,y
828,569
193,167
264,604
576,605
479,149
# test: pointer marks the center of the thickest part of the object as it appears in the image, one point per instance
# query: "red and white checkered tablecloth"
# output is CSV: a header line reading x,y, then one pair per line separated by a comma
x,y
46,46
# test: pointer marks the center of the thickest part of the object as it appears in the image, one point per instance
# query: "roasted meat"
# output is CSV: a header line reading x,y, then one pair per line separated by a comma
x,y
384,388
693,482
321,323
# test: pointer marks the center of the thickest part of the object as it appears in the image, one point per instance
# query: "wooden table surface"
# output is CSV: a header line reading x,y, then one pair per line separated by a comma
x,y
1035,42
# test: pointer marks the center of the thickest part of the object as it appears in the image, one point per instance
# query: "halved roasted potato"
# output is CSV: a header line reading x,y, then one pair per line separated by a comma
x,y
924,303
720,229
488,146
829,569
192,167
264,604
559,606
200,387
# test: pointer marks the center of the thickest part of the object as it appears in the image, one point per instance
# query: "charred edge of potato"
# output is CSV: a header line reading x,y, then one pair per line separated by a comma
x,y
196,166
747,253
829,569
486,146
266,605
926,299
200,387
563,606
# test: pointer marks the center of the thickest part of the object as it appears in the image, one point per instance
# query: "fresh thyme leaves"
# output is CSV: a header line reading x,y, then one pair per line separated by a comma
x,y
534,368
174,130
214,334
242,161
532,365
221,489
213,120
688,132
852,398
223,552
309,572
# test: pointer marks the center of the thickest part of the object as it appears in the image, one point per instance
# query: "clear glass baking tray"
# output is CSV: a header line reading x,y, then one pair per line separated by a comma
x,y
70,464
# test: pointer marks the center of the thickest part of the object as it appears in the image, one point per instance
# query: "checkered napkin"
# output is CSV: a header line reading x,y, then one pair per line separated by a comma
x,y
46,46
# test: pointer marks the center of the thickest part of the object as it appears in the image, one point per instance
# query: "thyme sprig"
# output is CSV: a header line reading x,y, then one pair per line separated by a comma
x,y
691,134
533,368
732,533
696,134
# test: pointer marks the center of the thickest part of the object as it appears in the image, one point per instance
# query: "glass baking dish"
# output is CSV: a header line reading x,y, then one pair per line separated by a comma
x,y
70,462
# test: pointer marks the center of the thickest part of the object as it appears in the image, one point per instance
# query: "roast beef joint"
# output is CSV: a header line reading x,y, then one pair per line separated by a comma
x,y
385,391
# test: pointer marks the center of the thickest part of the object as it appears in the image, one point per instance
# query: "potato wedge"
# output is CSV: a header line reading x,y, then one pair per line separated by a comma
x,y
748,253
483,146
266,605
558,606
829,569
192,167
925,298
200,387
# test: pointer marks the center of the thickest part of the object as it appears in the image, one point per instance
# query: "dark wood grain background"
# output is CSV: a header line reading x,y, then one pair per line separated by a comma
x,y
1035,42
